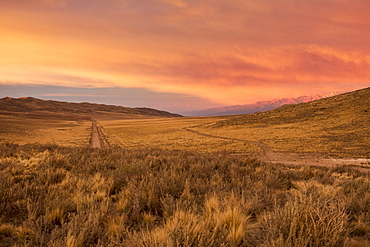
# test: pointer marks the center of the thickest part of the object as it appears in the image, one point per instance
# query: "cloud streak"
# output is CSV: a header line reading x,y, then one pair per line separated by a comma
x,y
232,52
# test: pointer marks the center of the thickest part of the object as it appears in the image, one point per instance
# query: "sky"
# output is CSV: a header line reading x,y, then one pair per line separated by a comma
x,y
179,55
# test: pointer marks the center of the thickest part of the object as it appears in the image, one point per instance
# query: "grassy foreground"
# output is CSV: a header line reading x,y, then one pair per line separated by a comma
x,y
60,196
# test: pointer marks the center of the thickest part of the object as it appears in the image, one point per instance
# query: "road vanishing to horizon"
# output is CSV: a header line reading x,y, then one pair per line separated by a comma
x,y
95,141
266,154
272,147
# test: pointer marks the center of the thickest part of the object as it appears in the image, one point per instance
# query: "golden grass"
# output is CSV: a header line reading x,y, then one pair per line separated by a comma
x,y
173,187
301,137
170,134
337,126
59,196
20,130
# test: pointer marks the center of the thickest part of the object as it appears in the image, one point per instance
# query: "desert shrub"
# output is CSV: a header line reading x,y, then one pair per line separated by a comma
x,y
59,196
309,218
8,235
218,224
8,149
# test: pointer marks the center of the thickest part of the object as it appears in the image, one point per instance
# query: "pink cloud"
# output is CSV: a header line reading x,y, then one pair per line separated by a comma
x,y
211,48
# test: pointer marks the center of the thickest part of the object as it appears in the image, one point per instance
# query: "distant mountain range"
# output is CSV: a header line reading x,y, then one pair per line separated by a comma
x,y
257,107
37,108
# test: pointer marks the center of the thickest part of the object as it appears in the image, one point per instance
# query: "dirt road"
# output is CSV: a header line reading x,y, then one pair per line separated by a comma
x,y
267,152
295,159
95,141
267,155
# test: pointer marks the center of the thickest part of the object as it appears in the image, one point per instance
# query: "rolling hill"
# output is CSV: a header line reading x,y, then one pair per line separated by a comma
x,y
256,107
337,126
37,108
349,109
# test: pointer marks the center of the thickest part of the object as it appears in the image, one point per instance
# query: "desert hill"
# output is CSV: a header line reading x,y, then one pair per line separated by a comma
x,y
37,108
257,107
349,109
336,126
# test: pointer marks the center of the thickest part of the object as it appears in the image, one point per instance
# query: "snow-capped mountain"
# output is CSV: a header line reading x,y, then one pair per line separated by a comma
x,y
258,106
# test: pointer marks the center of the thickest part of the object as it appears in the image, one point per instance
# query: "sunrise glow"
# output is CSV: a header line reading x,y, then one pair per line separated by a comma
x,y
226,52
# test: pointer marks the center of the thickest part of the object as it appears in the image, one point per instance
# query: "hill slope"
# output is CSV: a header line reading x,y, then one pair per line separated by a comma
x,y
338,126
257,107
352,108
38,108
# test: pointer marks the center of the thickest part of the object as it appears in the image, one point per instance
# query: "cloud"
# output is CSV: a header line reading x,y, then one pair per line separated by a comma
x,y
227,51
55,3
129,97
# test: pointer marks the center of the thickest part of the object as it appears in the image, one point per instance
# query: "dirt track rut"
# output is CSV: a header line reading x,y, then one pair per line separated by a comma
x,y
266,150
295,159
95,141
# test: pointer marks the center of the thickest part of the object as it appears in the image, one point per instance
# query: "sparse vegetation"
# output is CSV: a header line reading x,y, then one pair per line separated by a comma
x,y
179,182
64,196
23,130
169,134
337,126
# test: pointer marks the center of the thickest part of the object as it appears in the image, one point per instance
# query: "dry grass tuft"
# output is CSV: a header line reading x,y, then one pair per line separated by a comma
x,y
55,196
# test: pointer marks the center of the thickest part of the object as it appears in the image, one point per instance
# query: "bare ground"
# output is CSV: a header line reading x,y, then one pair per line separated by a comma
x,y
95,141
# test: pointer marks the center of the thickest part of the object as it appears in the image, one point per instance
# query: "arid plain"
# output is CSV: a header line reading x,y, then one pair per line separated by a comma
x,y
294,176
329,131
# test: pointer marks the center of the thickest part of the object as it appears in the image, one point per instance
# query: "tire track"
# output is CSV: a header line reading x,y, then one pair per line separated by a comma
x,y
265,149
295,159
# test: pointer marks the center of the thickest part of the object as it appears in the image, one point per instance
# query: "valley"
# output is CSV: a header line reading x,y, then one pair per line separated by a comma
x,y
296,174
319,132
174,123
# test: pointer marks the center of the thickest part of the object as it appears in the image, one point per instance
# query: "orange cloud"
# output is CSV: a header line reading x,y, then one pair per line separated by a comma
x,y
227,51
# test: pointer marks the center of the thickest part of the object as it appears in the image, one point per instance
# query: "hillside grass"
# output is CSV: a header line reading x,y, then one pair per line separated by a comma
x,y
64,196
332,127
338,126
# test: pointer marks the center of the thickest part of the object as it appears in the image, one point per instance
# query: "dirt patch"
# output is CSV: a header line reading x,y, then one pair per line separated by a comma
x,y
95,141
